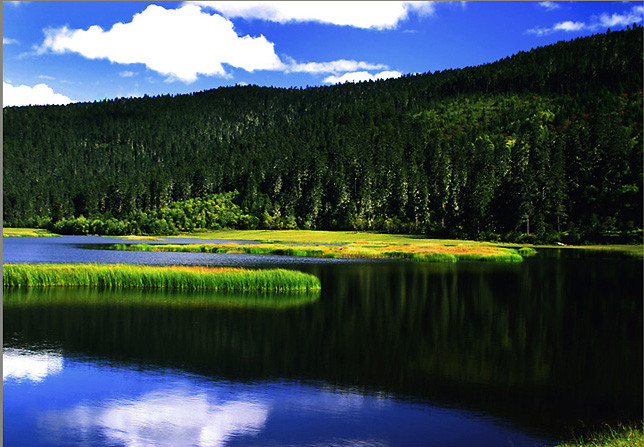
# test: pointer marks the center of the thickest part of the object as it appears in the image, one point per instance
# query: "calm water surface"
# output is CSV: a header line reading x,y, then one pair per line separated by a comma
x,y
389,354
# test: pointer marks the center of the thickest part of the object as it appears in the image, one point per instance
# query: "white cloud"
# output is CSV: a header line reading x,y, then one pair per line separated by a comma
x,y
49,78
164,418
359,14
549,5
359,76
24,95
569,26
21,365
597,23
7,41
199,44
337,66
179,43
634,16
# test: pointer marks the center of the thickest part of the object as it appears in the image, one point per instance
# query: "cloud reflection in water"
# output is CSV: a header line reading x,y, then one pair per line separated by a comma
x,y
163,418
20,364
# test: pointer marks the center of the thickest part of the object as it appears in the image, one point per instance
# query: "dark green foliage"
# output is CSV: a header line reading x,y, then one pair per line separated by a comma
x,y
545,145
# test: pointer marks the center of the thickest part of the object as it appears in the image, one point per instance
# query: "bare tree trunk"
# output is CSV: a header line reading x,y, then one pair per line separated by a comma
x,y
528,223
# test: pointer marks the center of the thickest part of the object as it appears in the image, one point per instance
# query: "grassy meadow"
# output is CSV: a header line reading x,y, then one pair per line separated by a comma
x,y
148,277
27,232
413,252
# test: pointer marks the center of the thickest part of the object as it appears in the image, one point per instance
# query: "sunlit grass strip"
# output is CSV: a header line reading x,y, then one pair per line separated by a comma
x,y
631,436
148,277
140,238
415,252
27,232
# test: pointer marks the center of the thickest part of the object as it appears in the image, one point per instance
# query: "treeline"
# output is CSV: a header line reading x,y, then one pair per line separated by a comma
x,y
544,145
214,212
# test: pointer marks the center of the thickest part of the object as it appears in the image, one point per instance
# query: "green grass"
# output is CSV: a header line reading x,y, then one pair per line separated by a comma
x,y
623,436
419,252
27,232
527,251
147,277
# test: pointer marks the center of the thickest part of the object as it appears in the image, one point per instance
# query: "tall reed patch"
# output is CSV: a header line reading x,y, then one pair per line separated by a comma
x,y
148,277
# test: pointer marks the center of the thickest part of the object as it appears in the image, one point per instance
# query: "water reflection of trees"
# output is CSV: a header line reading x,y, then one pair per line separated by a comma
x,y
542,344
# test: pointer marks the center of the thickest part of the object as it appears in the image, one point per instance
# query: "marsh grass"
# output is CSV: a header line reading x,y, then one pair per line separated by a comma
x,y
369,239
527,251
27,232
411,252
622,436
140,238
148,277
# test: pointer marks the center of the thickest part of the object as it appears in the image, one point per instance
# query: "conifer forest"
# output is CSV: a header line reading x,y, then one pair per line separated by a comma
x,y
542,146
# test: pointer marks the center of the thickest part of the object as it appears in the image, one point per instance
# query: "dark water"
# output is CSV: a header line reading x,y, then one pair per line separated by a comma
x,y
389,354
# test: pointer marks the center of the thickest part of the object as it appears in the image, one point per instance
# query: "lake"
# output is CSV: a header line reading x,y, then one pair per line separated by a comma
x,y
389,354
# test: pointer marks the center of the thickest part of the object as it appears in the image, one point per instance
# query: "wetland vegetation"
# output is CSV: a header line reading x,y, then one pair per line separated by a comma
x,y
419,252
622,436
148,277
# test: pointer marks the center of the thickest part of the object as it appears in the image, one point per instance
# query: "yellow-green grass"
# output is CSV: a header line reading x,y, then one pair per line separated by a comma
x,y
140,238
636,250
347,237
149,277
31,297
416,252
323,237
26,232
623,436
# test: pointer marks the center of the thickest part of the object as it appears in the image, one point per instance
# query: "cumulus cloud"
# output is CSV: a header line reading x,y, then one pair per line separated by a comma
x,y
23,95
549,5
185,43
7,41
359,76
358,14
628,18
179,43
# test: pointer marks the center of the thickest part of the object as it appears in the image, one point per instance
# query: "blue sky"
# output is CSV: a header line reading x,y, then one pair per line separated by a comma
x,y
58,52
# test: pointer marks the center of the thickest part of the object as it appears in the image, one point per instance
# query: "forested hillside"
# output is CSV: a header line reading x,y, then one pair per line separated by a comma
x,y
544,145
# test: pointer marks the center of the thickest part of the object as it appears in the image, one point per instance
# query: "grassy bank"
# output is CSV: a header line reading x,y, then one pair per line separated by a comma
x,y
147,277
416,252
27,232
625,436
